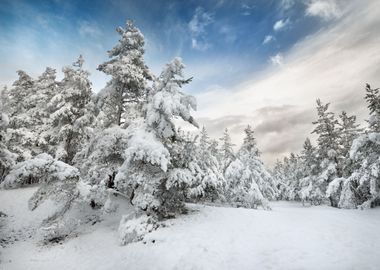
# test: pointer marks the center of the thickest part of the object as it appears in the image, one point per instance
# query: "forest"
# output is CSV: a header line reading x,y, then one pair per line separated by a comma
x,y
131,141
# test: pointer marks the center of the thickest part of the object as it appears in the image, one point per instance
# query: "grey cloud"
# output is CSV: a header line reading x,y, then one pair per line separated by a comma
x,y
279,129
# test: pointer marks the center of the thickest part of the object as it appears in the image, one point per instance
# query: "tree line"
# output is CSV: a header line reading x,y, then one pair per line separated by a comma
x,y
344,164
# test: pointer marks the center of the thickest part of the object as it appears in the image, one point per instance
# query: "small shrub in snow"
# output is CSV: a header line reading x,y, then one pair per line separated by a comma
x,y
57,231
135,226
57,180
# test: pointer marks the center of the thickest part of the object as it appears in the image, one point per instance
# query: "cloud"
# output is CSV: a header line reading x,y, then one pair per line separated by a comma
x,y
268,39
287,4
88,29
325,9
247,9
333,64
277,60
228,33
197,27
281,25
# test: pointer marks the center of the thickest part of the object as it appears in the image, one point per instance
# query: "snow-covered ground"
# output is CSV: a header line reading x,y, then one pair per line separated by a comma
x,y
288,237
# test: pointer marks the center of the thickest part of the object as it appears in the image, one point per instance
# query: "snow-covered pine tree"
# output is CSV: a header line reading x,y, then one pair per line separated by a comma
x,y
71,113
211,186
293,174
226,148
362,188
348,131
328,147
308,167
7,159
100,160
279,178
21,136
154,181
46,87
120,101
248,182
373,101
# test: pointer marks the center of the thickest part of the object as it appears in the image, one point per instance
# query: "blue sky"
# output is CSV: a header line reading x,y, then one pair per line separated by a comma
x,y
227,33
257,62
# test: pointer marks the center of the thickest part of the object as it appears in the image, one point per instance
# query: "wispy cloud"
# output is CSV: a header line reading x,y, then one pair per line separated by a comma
x,y
287,4
268,39
277,60
197,26
89,29
281,24
325,9
229,33
247,9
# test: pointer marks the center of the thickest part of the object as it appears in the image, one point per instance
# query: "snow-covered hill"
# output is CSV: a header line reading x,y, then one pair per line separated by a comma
x,y
288,237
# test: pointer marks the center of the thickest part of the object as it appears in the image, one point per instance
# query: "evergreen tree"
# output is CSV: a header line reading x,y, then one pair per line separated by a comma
x,y
46,87
71,113
7,159
373,101
348,132
21,138
362,187
212,181
99,162
120,101
328,147
227,152
248,182
151,177
309,168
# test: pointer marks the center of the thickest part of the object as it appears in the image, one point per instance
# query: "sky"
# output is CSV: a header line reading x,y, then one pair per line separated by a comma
x,y
257,62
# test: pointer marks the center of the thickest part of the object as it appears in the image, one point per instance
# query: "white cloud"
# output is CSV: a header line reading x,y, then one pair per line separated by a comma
x,y
287,4
229,33
268,39
247,9
277,60
281,24
197,27
325,9
334,64
86,28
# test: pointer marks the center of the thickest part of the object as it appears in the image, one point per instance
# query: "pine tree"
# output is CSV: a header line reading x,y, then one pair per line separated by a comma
x,y
99,162
227,152
348,132
328,147
121,99
71,113
211,181
309,168
248,182
151,177
21,138
360,185
278,174
7,159
294,173
373,101
46,87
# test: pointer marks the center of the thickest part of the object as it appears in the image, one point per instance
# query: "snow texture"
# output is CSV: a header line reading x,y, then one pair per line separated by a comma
x,y
288,237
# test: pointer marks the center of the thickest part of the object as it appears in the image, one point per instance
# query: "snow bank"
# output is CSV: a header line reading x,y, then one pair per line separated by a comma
x,y
289,237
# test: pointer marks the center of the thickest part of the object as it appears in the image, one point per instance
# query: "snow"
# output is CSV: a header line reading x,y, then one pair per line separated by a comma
x,y
288,237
